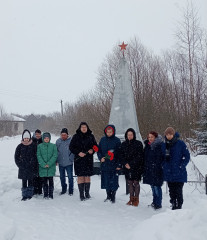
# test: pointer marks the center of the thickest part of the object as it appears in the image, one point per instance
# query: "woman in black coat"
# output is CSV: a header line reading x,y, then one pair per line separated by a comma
x,y
26,161
153,174
81,146
132,161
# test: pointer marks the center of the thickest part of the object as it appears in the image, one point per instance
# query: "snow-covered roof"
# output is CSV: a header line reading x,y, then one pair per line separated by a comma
x,y
12,118
18,119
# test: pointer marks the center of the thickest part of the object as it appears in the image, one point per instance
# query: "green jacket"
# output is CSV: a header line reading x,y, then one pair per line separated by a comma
x,y
47,155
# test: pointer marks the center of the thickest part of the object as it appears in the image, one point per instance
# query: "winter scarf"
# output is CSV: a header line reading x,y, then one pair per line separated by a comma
x,y
169,144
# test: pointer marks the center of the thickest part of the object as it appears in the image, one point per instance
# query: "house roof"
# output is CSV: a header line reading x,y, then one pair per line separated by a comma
x,y
11,118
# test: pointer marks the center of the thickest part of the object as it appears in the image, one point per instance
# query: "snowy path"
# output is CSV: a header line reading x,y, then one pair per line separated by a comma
x,y
66,217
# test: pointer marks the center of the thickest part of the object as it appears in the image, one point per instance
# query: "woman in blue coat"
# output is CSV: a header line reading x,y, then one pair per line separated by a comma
x,y
176,157
153,174
109,165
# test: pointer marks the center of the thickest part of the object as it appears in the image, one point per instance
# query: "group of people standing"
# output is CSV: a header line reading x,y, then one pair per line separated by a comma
x,y
156,161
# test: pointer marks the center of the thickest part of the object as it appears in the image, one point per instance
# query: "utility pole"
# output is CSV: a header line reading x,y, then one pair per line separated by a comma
x,y
61,102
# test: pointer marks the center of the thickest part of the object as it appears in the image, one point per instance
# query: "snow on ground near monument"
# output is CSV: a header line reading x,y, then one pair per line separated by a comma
x,y
66,217
201,163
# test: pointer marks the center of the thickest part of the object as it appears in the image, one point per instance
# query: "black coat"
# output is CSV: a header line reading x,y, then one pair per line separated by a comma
x,y
153,173
36,141
132,153
26,161
82,142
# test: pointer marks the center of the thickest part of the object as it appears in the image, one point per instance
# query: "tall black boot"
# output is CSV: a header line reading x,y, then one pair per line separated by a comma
x,y
174,204
113,196
51,189
45,189
30,191
87,189
108,198
81,191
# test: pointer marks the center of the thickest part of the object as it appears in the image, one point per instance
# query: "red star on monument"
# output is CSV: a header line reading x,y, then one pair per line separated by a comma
x,y
123,47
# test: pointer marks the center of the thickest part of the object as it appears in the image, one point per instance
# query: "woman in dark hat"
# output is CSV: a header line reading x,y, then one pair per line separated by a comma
x,y
132,161
81,146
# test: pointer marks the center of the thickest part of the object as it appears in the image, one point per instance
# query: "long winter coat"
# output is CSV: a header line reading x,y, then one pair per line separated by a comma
x,y
109,174
47,155
26,160
65,156
83,142
153,174
133,154
174,166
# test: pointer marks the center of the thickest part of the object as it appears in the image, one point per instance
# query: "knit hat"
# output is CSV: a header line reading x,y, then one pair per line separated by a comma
x,y
26,134
170,131
64,130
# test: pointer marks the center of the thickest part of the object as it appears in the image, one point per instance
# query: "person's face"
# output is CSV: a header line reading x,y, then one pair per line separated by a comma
x,y
84,129
130,135
151,138
109,132
46,139
64,136
38,135
26,139
169,136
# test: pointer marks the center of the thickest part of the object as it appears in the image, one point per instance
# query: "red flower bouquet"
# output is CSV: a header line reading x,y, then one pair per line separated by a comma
x,y
95,148
110,155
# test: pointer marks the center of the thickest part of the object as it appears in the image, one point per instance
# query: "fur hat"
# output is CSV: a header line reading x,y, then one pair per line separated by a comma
x,y
170,131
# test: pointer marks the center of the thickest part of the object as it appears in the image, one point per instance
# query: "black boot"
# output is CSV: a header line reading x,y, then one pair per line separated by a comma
x,y
24,194
87,189
64,190
45,189
113,196
30,192
174,204
51,189
108,198
81,190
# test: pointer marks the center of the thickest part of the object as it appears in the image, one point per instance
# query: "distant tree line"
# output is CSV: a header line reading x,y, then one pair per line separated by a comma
x,y
169,90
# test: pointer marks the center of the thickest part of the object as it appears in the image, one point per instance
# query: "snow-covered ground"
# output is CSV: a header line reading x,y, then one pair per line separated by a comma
x,y
66,217
201,163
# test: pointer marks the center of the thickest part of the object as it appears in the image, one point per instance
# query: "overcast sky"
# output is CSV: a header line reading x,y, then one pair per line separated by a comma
x,y
51,49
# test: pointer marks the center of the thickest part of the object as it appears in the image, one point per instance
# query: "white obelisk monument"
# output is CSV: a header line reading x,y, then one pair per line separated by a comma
x,y
123,112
